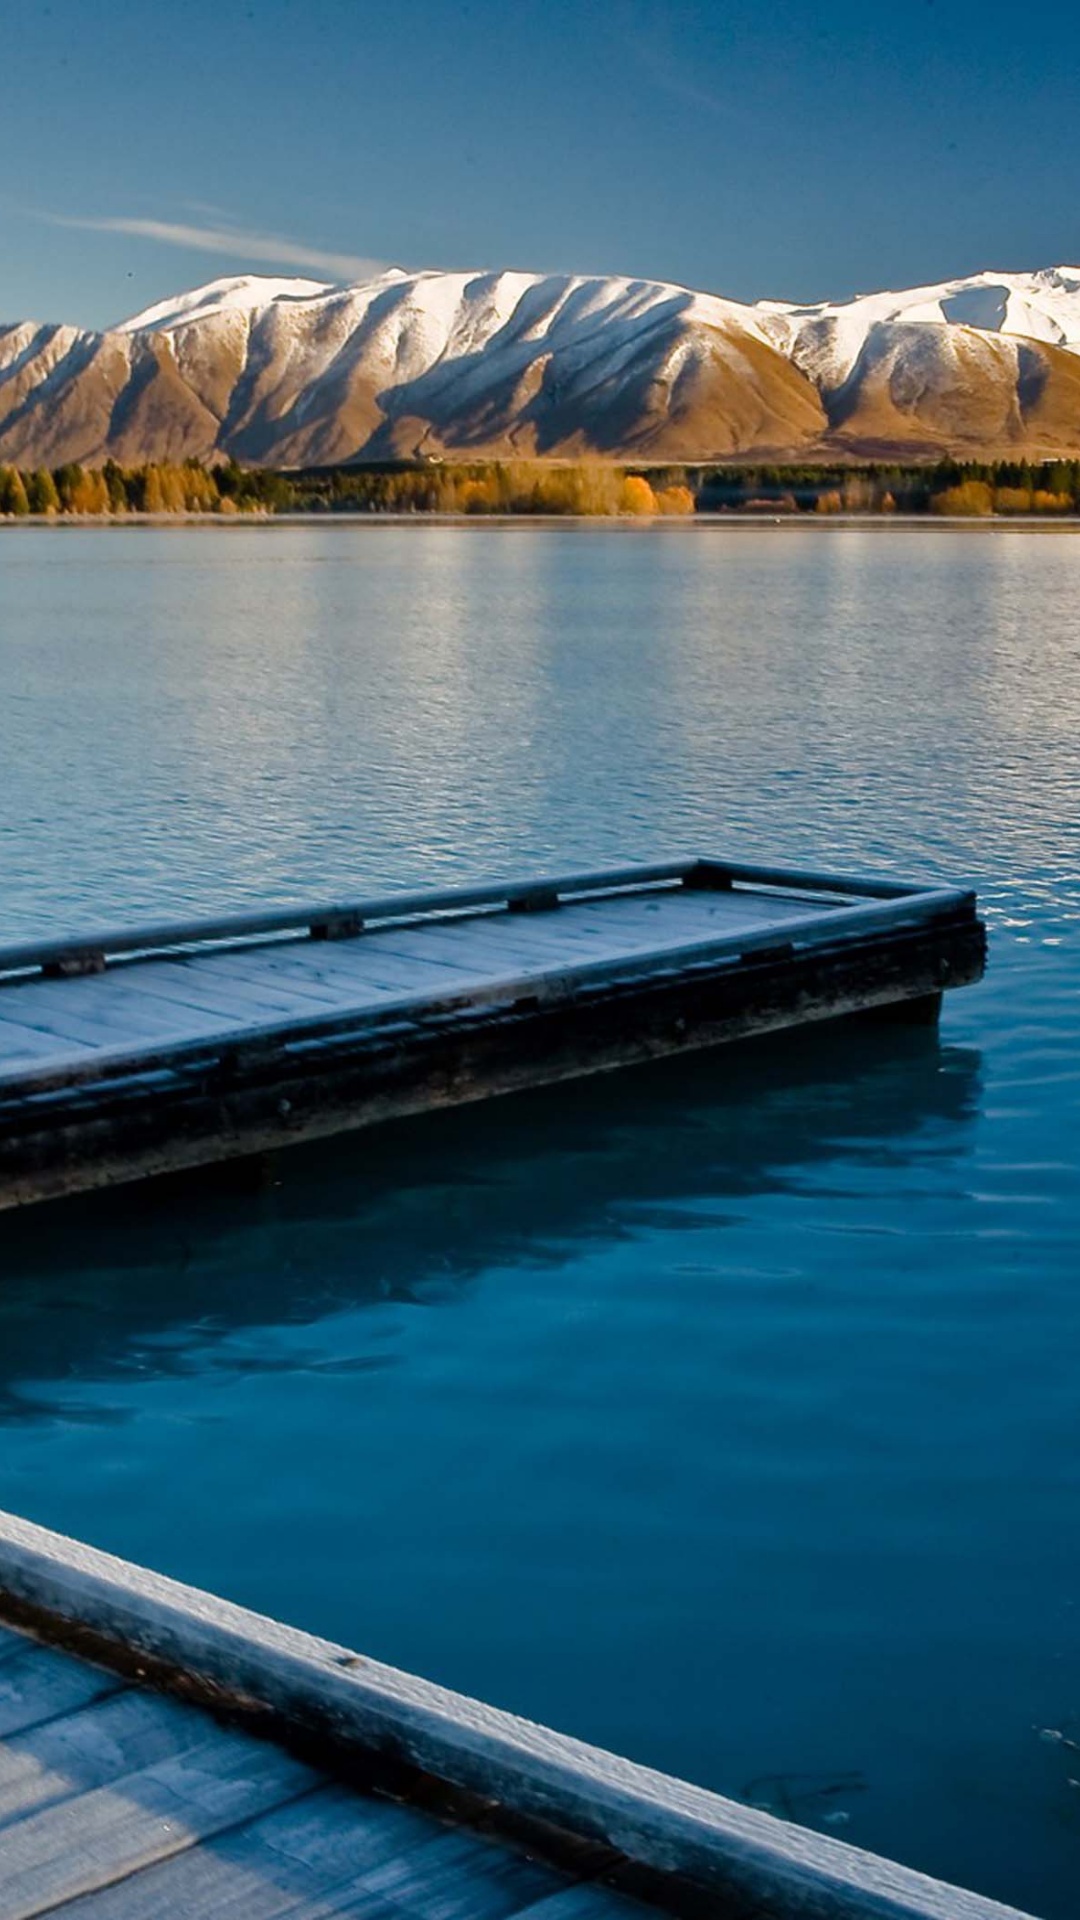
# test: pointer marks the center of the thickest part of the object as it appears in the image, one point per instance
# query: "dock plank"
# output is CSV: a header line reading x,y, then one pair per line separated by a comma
x,y
431,947
186,983
241,995
38,1684
304,985
110,1001
100,1010
457,1876
111,1737
159,995
21,1041
510,941
280,1863
350,978
381,967
534,941
102,1836
88,1023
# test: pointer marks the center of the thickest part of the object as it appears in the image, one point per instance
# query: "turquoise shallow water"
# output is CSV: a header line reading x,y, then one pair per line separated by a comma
x,y
727,1413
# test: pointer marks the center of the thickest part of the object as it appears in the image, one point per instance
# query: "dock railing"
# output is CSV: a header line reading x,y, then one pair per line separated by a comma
x,y
340,919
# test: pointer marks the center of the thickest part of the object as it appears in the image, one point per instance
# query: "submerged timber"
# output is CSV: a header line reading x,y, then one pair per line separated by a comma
x,y
290,1776
149,1049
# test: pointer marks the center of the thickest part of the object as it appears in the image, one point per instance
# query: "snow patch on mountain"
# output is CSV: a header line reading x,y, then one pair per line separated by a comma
x,y
238,293
827,339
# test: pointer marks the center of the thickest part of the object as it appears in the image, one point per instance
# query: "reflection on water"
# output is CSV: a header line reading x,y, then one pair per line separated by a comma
x,y
725,1412
160,1278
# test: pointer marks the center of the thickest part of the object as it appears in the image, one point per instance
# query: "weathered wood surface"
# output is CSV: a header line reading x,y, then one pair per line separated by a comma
x,y
145,1058
208,1821
331,1853
35,1685
118,1803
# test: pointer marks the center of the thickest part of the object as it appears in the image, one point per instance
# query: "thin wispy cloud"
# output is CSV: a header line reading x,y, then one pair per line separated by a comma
x,y
237,242
666,73
650,49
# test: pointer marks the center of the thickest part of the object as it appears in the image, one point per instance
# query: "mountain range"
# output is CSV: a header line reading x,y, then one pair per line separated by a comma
x,y
293,373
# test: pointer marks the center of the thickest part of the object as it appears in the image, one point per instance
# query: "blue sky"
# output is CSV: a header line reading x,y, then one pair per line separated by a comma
x,y
776,148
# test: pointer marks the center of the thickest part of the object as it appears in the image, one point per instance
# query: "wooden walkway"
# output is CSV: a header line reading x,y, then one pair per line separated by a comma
x,y
151,1048
165,1755
137,1807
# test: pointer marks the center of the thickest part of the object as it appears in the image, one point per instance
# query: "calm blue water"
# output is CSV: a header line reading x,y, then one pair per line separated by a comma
x,y
725,1414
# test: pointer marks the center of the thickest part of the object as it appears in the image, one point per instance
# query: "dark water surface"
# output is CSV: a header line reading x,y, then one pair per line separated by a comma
x,y
727,1413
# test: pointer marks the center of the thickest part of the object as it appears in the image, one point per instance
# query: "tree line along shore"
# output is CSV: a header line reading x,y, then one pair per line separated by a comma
x,y
968,489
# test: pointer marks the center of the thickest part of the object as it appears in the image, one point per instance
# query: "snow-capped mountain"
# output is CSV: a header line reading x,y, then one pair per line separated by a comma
x,y
293,372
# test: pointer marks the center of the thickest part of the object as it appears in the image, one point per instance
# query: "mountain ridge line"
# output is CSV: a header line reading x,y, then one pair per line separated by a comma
x,y
297,373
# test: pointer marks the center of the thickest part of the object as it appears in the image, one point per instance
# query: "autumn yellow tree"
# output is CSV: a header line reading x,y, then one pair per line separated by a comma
x,y
1043,502
13,498
637,497
971,500
478,496
89,494
153,498
200,489
675,500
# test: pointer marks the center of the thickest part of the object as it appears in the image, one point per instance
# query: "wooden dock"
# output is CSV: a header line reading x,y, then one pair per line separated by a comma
x,y
138,1807
165,1755
148,1049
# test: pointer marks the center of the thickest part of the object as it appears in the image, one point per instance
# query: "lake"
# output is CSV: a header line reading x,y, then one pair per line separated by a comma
x,y
724,1413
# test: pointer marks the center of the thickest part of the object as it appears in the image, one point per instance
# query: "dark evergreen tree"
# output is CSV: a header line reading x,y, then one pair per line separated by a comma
x,y
41,492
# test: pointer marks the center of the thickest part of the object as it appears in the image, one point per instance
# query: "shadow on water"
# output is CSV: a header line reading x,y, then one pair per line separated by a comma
x,y
413,1211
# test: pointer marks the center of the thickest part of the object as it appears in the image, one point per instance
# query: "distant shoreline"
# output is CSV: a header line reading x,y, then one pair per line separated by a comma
x,y
448,492
597,523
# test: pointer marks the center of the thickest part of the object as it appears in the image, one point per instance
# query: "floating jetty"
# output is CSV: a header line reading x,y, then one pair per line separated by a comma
x,y
165,1755
148,1049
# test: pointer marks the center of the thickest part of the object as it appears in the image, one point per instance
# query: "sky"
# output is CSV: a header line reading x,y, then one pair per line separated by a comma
x,y
770,150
